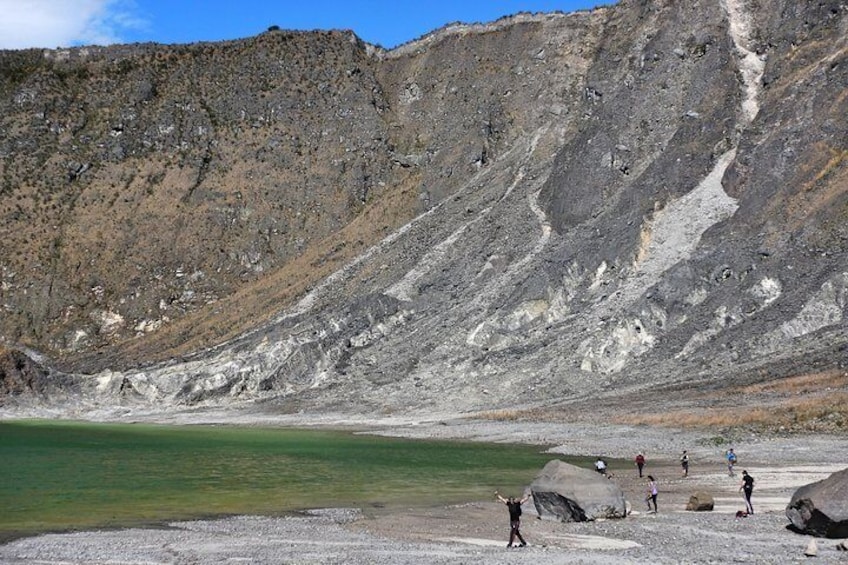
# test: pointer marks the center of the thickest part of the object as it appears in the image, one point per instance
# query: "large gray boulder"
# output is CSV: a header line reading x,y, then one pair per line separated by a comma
x,y
575,494
821,508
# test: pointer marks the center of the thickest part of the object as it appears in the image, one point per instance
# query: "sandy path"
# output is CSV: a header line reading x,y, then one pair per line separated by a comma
x,y
487,525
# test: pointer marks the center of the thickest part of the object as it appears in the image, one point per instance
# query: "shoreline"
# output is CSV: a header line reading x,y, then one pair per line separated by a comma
x,y
477,531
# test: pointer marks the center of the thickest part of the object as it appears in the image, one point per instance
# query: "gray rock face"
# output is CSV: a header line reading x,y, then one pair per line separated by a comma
x,y
574,494
701,502
821,508
19,374
551,207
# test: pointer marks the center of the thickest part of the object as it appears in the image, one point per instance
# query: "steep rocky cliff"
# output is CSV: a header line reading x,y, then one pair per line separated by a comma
x,y
545,208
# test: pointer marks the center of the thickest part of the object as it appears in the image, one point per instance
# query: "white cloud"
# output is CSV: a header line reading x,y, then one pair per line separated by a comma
x,y
62,23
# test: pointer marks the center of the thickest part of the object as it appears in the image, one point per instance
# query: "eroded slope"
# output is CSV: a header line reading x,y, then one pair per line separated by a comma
x,y
555,207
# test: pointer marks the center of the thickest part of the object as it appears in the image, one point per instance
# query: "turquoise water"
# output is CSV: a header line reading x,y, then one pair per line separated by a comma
x,y
67,475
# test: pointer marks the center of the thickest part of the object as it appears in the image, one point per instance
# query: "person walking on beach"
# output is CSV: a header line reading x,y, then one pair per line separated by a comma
x,y
514,506
651,494
731,461
747,487
601,466
640,462
684,463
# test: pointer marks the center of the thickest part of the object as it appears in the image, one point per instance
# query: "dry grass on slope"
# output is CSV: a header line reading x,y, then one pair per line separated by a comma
x,y
259,302
814,413
815,402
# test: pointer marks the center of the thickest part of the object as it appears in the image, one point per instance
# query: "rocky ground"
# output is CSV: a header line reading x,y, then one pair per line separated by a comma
x,y
476,532
451,252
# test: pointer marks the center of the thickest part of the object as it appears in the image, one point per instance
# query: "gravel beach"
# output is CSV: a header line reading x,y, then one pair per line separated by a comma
x,y
476,532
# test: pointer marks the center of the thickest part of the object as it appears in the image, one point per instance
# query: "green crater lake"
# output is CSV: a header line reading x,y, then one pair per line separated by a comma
x,y
72,475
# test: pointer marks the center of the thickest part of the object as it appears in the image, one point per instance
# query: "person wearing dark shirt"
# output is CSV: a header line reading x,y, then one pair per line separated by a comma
x,y
747,487
514,506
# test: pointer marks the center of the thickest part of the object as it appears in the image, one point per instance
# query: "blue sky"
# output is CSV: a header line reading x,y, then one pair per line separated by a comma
x,y
63,23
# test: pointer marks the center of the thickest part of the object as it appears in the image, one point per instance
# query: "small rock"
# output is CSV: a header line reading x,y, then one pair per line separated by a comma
x,y
812,549
700,502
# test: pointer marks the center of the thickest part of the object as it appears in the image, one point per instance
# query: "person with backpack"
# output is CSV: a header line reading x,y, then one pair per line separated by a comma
x,y
514,506
640,462
684,463
747,487
731,461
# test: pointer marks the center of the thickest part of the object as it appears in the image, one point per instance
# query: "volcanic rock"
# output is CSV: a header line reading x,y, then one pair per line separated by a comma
x,y
575,494
700,502
821,508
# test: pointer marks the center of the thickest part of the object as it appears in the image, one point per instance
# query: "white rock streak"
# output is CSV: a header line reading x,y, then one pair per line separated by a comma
x,y
674,232
677,229
825,308
750,64
404,289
